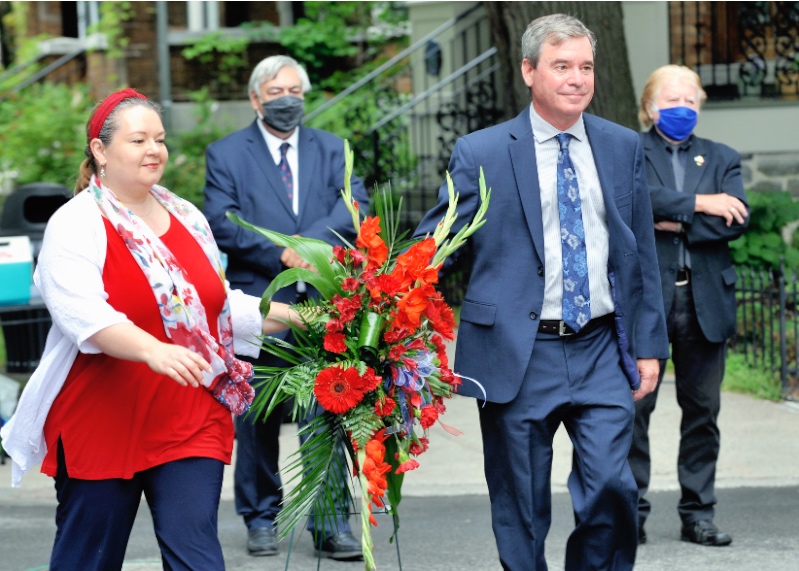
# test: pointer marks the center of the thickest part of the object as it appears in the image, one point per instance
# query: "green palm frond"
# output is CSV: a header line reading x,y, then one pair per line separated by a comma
x,y
317,253
314,474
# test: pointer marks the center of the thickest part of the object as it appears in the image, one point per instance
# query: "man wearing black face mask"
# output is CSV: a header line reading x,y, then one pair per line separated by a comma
x,y
699,205
287,178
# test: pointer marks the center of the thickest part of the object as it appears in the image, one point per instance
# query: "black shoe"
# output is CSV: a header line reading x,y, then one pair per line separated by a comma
x,y
342,546
641,535
262,541
704,532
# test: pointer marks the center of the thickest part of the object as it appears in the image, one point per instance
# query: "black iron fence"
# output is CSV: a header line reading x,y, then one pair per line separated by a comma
x,y
767,331
741,50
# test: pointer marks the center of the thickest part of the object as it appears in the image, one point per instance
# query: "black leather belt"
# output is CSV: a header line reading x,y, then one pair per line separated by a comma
x,y
683,277
554,327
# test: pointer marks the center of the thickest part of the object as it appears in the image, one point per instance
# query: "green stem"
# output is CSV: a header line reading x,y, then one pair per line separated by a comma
x,y
366,531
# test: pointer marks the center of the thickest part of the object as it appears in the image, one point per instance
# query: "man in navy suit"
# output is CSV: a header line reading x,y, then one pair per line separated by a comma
x,y
699,205
515,337
277,175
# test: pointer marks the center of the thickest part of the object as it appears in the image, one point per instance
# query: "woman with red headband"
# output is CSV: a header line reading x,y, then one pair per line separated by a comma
x,y
138,379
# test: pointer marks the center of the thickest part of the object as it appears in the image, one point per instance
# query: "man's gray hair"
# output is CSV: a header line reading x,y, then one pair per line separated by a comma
x,y
553,29
268,69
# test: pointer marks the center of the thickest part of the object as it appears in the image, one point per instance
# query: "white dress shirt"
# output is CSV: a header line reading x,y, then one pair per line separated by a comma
x,y
594,217
292,155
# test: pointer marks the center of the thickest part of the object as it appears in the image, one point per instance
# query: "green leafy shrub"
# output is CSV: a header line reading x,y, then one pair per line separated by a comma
x,y
185,171
762,246
42,133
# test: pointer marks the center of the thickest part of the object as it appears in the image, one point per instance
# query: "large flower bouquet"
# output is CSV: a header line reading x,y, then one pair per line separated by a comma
x,y
371,353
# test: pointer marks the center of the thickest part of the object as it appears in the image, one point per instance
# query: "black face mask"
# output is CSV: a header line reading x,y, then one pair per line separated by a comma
x,y
284,113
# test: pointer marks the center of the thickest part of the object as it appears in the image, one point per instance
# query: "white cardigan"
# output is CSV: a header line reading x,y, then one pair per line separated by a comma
x,y
69,275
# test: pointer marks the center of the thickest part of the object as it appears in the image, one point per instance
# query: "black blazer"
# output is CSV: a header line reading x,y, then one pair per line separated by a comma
x,y
711,168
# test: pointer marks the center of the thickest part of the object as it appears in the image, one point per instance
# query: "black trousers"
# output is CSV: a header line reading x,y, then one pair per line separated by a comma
x,y
699,370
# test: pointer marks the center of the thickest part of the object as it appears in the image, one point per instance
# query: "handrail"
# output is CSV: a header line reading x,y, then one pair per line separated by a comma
x,y
437,87
404,53
42,73
17,68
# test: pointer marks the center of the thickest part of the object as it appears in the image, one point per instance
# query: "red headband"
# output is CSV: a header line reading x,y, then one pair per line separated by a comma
x,y
107,106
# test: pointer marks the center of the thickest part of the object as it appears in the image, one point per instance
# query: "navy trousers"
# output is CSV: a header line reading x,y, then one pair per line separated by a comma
x,y
577,382
698,371
94,518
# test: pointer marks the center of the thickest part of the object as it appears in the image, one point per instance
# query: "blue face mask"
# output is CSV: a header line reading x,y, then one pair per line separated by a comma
x,y
677,123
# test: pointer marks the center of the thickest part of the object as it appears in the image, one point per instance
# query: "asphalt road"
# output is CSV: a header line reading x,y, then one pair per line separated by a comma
x,y
445,517
453,533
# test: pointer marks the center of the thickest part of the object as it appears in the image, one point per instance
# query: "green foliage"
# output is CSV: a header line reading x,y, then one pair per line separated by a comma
x,y
334,37
42,133
113,16
762,246
740,377
185,172
224,55
224,51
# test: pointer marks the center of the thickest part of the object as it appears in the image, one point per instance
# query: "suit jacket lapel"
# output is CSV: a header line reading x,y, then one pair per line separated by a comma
x,y
655,152
263,158
308,152
525,170
695,168
602,145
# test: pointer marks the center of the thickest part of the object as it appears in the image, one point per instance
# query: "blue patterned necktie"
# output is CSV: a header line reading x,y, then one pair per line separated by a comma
x,y
285,170
576,295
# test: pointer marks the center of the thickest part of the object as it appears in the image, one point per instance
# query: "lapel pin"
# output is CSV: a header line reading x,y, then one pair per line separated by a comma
x,y
699,160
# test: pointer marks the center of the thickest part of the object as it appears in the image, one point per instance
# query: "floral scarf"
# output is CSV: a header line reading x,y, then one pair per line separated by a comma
x,y
183,314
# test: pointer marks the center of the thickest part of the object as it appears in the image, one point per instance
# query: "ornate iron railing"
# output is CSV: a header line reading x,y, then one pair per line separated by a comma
x,y
741,50
767,332
402,119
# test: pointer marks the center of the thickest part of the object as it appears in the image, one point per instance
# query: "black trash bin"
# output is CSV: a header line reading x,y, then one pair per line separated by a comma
x,y
25,213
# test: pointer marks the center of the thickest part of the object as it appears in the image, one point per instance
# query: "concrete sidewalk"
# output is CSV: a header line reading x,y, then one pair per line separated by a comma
x,y
446,520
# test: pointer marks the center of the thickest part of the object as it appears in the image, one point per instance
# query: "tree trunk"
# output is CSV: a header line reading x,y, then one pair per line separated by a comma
x,y
614,98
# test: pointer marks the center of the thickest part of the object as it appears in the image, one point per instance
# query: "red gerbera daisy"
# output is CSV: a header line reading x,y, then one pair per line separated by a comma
x,y
338,390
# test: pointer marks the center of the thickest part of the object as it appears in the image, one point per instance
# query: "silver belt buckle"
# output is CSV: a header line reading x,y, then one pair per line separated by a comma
x,y
562,330
684,282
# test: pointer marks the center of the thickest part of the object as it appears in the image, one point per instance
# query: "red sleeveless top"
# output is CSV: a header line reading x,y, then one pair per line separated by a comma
x,y
115,417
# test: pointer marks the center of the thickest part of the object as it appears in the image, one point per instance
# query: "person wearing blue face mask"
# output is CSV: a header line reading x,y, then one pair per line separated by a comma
x,y
699,206
286,177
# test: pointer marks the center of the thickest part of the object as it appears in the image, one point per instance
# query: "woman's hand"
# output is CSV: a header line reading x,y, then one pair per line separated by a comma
x,y
126,341
180,364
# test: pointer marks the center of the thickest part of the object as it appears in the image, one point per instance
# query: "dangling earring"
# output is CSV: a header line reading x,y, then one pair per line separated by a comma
x,y
102,171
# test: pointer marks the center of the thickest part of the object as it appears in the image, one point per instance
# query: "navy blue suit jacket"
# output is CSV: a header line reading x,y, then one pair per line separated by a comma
x,y
500,313
711,168
241,177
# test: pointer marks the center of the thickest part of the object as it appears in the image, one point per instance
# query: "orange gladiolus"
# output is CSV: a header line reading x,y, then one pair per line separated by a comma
x,y
412,306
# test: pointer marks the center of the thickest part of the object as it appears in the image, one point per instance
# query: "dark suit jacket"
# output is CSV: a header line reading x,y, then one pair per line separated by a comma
x,y
713,276
503,300
242,177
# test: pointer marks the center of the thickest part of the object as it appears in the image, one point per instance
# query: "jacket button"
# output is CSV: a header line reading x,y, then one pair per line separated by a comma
x,y
676,240
540,270
533,315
